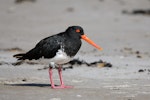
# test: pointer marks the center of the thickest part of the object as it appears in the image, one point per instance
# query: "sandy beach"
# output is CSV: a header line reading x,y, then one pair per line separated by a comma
x,y
121,27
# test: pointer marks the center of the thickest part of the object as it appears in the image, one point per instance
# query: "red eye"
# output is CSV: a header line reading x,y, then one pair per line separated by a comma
x,y
77,30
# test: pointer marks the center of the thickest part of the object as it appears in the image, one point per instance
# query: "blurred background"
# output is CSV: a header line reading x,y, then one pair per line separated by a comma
x,y
112,24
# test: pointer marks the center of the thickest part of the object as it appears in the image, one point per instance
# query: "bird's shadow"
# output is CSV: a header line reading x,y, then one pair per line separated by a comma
x,y
30,85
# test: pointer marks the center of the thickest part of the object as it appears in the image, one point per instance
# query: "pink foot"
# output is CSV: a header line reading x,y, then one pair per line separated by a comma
x,y
61,87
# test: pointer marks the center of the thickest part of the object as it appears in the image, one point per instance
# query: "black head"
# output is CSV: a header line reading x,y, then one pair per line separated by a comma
x,y
75,29
77,32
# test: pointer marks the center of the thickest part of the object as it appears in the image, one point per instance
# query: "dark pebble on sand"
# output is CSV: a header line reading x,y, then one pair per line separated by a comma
x,y
141,70
137,52
21,1
24,80
137,12
138,56
70,9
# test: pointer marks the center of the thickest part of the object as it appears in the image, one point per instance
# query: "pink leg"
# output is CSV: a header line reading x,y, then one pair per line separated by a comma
x,y
51,77
61,80
60,75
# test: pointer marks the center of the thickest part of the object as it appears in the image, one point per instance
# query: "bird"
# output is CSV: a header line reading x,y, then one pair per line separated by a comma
x,y
58,49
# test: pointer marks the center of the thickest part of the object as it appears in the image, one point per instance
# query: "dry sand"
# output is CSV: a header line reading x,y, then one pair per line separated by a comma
x,y
125,38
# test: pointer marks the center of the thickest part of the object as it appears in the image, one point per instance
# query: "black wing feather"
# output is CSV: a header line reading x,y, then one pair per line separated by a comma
x,y
46,48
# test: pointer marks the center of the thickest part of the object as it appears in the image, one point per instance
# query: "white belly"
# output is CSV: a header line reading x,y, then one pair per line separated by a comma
x,y
60,58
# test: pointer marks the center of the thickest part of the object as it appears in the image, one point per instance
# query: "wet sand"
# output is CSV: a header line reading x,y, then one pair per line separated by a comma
x,y
125,38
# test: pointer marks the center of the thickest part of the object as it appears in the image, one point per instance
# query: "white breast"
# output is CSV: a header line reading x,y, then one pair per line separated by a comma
x,y
60,58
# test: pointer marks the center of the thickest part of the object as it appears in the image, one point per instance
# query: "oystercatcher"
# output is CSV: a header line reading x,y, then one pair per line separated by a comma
x,y
58,49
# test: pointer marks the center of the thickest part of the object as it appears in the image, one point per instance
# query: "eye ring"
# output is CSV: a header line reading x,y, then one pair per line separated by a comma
x,y
78,30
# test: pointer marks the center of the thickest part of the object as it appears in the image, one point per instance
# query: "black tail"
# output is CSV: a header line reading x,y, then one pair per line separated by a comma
x,y
32,54
20,56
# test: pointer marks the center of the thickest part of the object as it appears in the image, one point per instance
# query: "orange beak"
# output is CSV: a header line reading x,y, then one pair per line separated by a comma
x,y
84,37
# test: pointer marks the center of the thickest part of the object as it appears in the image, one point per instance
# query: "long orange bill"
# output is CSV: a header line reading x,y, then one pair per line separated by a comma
x,y
84,37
